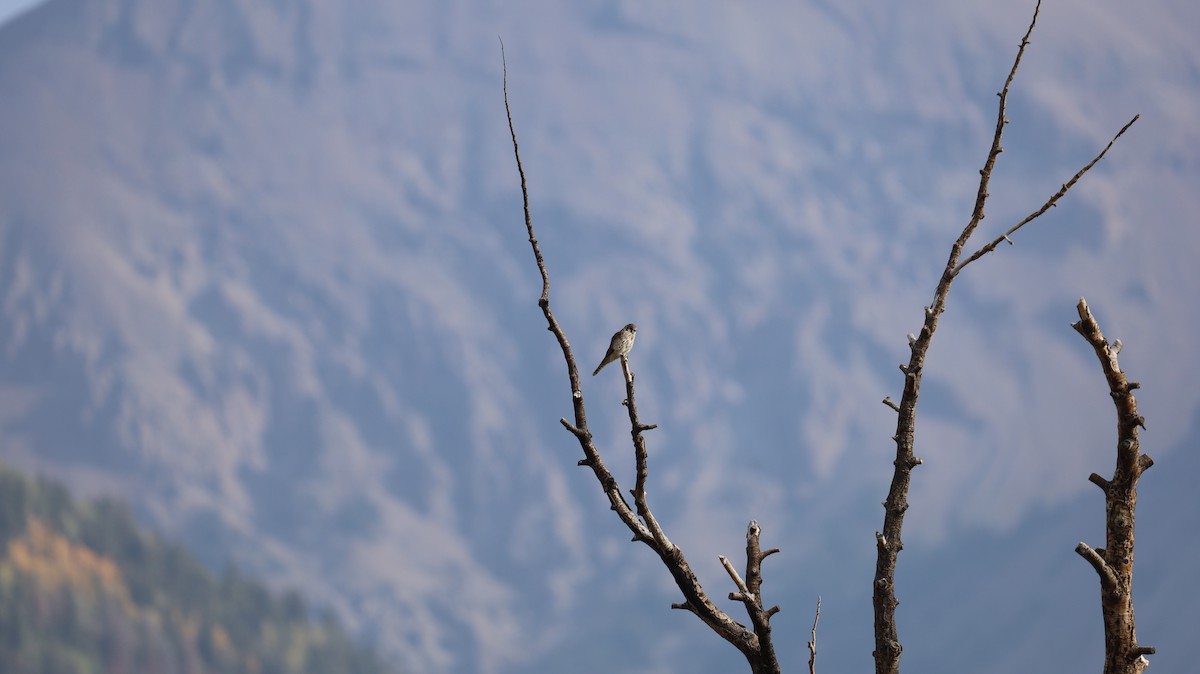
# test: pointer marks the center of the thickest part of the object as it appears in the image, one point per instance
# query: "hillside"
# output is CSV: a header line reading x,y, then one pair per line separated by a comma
x,y
83,589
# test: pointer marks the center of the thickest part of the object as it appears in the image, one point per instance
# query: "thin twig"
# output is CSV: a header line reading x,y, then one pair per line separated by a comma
x,y
985,174
737,580
537,253
812,643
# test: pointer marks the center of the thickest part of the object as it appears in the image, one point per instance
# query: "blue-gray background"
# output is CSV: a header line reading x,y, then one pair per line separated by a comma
x,y
263,272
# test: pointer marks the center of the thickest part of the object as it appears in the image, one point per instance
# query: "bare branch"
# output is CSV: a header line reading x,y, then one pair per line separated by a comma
x,y
1051,202
985,174
755,645
1108,580
641,457
745,594
1114,564
812,643
537,253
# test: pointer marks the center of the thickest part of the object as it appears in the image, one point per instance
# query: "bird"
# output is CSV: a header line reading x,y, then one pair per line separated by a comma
x,y
620,345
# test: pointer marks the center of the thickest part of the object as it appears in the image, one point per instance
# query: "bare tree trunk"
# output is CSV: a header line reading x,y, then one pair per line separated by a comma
x,y
1114,562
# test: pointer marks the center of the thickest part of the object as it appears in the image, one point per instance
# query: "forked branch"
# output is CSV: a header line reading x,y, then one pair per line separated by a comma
x,y
1050,203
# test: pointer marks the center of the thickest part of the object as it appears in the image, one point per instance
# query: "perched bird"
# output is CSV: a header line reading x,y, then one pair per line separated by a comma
x,y
621,343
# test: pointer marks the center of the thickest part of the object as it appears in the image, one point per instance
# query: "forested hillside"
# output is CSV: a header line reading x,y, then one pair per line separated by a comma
x,y
84,590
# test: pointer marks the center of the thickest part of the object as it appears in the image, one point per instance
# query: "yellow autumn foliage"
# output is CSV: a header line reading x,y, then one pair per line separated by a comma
x,y
54,563
221,643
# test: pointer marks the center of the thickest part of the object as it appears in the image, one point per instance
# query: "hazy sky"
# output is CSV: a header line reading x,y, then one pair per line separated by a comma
x,y
11,8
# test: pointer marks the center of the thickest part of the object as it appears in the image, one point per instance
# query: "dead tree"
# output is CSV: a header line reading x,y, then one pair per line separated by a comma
x,y
755,642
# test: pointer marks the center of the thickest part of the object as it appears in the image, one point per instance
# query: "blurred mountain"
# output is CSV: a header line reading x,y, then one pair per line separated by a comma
x,y
229,290
85,590
263,272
